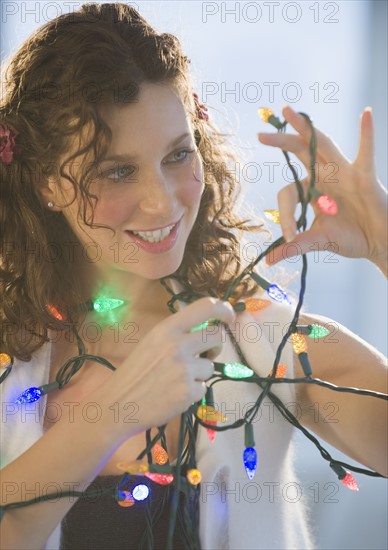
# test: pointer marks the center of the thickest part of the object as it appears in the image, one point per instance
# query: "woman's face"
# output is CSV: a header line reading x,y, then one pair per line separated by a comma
x,y
151,178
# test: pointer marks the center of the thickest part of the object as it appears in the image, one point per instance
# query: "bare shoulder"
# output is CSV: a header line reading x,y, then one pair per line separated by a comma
x,y
341,353
342,339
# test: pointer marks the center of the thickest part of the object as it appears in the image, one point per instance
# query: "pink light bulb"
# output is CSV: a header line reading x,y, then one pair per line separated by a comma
x,y
327,205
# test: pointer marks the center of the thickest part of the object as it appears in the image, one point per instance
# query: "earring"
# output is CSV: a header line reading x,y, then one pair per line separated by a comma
x,y
50,204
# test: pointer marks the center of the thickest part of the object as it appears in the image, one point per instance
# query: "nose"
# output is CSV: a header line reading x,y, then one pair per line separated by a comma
x,y
157,195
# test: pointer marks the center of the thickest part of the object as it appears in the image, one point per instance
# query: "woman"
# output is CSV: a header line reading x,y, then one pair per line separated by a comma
x,y
114,180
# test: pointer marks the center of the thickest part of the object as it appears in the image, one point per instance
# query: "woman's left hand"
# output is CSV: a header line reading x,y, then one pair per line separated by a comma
x,y
359,228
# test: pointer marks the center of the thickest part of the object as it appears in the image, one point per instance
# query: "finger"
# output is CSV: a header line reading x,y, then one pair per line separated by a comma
x,y
203,369
303,243
208,340
288,198
287,142
200,311
214,352
199,391
365,155
326,147
327,150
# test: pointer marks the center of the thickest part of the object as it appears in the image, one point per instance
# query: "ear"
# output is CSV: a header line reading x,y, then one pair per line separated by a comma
x,y
49,192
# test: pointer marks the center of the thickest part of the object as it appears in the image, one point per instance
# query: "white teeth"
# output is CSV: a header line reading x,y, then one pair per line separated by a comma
x,y
154,236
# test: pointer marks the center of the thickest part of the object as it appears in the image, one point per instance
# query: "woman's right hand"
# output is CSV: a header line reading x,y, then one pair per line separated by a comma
x,y
359,228
163,376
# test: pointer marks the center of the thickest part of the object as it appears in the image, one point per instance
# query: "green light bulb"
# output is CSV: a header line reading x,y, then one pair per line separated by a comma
x,y
200,327
102,305
318,332
236,370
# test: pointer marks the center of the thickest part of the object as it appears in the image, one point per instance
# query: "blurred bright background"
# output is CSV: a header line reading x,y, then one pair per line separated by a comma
x,y
327,59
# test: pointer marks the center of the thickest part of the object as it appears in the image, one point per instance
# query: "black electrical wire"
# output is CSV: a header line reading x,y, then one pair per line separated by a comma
x,y
186,459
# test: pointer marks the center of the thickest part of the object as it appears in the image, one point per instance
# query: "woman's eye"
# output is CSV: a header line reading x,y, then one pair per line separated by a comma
x,y
184,154
120,173
125,173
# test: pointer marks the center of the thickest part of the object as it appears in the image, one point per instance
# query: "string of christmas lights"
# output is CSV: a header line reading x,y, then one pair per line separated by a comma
x,y
184,478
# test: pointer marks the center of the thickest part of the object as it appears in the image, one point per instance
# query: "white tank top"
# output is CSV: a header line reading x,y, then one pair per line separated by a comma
x,y
264,513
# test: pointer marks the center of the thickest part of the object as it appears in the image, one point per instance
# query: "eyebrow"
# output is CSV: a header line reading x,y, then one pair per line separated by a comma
x,y
130,157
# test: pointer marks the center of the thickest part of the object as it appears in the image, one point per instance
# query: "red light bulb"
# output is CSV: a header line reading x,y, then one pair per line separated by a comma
x,y
350,482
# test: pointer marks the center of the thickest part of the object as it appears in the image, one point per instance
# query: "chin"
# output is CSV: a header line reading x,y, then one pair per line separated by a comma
x,y
163,271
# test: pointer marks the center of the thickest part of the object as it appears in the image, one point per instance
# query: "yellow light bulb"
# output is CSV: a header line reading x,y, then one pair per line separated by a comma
x,y
194,476
272,215
265,113
134,467
207,413
299,343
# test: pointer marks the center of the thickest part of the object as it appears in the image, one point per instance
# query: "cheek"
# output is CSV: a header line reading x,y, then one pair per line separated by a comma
x,y
194,185
113,212
191,193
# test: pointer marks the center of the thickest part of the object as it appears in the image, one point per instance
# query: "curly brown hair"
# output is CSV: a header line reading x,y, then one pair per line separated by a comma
x,y
54,86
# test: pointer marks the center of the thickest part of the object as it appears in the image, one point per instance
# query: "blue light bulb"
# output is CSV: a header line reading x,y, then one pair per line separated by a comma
x,y
29,396
250,461
277,293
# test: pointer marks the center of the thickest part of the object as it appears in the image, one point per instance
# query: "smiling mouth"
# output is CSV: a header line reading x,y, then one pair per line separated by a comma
x,y
154,236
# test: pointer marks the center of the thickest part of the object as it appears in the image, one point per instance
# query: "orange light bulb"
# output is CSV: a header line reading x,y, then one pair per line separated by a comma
x,y
127,499
280,372
5,360
159,454
53,310
256,304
